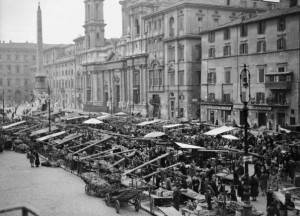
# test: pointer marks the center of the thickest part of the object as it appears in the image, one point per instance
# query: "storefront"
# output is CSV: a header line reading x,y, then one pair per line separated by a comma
x,y
216,114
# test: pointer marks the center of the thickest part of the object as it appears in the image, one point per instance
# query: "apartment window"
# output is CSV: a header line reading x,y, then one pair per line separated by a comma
x,y
33,58
171,53
211,52
260,98
17,57
226,98
160,77
171,77
1,81
137,27
181,77
293,3
211,37
244,30
227,50
227,74
261,74
8,57
211,97
8,82
281,43
281,24
211,76
282,68
261,27
9,68
227,34
244,48
171,27
0,56
261,46
227,2
181,52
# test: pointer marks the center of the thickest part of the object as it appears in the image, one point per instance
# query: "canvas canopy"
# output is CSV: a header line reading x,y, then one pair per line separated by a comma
x,y
75,118
67,138
93,121
50,136
284,130
104,117
154,134
219,130
149,122
230,137
13,125
187,146
42,131
121,114
172,126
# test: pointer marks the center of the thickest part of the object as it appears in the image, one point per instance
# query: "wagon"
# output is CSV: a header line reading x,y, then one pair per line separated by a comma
x,y
117,197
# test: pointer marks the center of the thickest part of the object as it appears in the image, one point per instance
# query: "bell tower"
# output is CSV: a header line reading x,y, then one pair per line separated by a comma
x,y
94,23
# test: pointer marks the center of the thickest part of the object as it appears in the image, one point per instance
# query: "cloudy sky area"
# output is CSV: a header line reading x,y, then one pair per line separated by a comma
x,y
62,20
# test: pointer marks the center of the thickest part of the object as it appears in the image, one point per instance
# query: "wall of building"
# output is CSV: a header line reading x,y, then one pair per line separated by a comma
x,y
16,77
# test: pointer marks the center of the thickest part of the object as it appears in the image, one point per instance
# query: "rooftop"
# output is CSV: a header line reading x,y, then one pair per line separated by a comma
x,y
261,16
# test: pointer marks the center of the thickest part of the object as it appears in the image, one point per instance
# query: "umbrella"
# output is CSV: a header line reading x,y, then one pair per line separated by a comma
x,y
219,130
121,114
93,121
154,134
104,113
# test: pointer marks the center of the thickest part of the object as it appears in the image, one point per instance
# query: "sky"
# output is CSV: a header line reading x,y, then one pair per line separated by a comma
x,y
62,20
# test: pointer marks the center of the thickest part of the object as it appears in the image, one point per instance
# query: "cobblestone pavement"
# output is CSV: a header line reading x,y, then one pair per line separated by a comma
x,y
49,191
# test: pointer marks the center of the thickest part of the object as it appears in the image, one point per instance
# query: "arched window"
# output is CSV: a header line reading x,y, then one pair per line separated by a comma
x,y
96,11
97,35
171,27
137,27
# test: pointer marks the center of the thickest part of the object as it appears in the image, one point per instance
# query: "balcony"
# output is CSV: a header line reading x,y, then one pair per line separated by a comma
x,y
217,102
156,88
279,81
278,102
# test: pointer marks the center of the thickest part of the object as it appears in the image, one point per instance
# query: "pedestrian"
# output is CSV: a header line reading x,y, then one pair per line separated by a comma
x,y
37,159
263,182
31,158
254,187
232,193
177,197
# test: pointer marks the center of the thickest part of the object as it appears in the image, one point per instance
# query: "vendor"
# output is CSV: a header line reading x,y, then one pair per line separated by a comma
x,y
289,205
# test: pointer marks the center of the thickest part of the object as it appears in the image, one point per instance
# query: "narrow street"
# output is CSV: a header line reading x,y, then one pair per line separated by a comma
x,y
48,191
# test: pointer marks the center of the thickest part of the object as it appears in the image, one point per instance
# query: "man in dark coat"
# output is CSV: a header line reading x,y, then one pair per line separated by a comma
x,y
37,159
254,187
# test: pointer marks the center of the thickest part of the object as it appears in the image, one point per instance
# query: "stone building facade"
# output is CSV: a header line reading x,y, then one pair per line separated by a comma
x,y
16,77
269,45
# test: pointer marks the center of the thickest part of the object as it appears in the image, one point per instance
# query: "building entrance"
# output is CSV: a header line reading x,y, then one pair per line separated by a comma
x,y
262,119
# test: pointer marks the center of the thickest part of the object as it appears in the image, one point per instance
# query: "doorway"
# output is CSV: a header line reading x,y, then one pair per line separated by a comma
x,y
262,119
281,119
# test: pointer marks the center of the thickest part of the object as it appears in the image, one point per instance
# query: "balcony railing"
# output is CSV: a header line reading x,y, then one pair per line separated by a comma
x,y
217,102
278,81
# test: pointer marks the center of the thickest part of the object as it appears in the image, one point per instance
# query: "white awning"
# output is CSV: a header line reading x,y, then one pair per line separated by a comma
x,y
44,130
121,114
93,121
50,136
149,122
172,126
219,130
13,125
230,137
154,134
187,146
284,130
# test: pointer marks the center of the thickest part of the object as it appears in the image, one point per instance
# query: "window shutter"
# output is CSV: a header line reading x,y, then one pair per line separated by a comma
x,y
229,50
241,48
264,46
224,51
246,48
283,43
258,46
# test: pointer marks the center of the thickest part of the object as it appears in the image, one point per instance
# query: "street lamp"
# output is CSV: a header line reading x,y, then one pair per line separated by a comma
x,y
245,97
3,105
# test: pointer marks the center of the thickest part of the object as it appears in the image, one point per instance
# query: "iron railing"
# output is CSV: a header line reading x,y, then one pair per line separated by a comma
x,y
24,210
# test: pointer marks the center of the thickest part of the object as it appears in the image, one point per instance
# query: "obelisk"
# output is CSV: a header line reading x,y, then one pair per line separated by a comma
x,y
40,76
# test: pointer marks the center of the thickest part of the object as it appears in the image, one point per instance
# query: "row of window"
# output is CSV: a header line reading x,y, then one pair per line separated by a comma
x,y
63,73
261,29
15,68
261,69
17,82
17,57
261,46
180,53
63,84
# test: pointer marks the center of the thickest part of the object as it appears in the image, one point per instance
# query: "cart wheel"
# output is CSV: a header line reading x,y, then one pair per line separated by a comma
x,y
107,199
117,206
137,205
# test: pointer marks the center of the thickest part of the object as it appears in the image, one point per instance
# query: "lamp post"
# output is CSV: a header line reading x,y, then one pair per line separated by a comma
x,y
49,108
245,97
3,105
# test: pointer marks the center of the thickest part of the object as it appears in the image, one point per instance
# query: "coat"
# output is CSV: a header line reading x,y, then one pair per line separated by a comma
x,y
254,186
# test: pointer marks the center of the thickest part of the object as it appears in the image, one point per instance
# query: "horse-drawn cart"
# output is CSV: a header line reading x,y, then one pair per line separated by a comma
x,y
117,197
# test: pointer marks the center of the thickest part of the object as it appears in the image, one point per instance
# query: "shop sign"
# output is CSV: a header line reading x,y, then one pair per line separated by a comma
x,y
217,107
